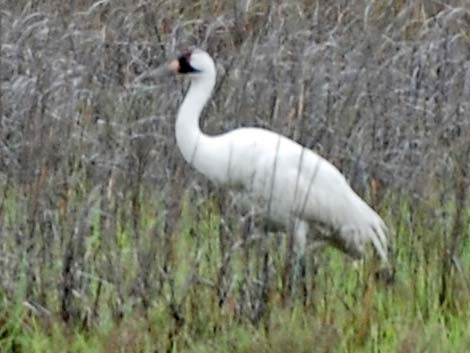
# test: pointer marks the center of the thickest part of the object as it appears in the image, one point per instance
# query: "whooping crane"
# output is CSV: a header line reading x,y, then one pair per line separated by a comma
x,y
298,187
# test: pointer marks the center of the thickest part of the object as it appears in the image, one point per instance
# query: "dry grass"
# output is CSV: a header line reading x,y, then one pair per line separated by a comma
x,y
102,225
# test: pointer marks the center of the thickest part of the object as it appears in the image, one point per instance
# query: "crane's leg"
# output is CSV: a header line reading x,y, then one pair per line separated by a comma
x,y
301,229
295,264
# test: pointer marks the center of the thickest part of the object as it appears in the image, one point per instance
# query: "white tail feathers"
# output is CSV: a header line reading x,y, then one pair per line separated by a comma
x,y
378,238
353,240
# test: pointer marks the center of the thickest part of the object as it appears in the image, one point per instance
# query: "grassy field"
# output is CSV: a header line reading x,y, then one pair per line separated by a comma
x,y
109,242
194,299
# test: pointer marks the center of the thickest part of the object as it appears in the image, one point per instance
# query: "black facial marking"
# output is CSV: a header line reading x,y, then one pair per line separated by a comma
x,y
185,66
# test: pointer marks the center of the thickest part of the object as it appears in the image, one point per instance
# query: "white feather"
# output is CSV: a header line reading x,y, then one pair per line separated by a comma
x,y
296,186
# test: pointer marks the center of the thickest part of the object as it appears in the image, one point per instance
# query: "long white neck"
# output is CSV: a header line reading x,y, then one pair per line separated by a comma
x,y
189,137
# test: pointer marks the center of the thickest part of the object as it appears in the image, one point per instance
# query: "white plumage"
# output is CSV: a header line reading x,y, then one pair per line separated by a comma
x,y
297,187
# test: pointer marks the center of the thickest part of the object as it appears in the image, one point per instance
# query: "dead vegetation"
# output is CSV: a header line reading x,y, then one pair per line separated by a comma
x,y
97,208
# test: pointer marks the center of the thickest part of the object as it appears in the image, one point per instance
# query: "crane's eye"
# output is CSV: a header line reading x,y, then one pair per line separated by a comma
x,y
184,64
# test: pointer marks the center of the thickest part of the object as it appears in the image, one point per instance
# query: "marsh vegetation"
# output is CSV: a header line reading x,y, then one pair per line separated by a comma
x,y
109,242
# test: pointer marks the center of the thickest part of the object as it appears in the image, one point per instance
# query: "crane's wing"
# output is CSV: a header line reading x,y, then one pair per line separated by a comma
x,y
298,183
332,202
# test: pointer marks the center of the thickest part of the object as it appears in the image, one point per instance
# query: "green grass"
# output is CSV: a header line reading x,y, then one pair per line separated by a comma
x,y
345,310
106,245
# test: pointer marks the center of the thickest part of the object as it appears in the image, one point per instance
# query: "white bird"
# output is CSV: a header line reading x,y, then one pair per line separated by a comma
x,y
298,188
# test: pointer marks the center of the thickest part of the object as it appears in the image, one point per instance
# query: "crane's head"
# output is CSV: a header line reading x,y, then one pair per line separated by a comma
x,y
193,63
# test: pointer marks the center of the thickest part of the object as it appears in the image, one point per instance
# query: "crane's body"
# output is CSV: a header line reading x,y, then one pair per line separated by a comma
x,y
297,187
